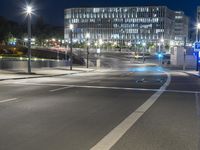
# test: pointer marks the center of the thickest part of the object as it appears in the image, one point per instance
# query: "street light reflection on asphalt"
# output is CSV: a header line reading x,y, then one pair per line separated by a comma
x,y
147,69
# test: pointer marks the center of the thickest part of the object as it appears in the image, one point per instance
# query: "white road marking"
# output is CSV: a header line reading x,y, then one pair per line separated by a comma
x,y
8,100
59,89
111,138
107,87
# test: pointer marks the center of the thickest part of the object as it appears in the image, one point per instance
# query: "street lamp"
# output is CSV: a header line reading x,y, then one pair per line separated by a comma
x,y
160,55
129,47
71,27
29,11
144,47
129,44
100,42
171,45
197,34
162,40
88,44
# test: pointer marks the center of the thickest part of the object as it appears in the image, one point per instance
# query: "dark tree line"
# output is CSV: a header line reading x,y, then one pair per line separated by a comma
x,y
40,30
43,31
9,28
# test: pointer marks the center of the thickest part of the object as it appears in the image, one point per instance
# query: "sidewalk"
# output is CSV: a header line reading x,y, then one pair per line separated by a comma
x,y
195,73
41,72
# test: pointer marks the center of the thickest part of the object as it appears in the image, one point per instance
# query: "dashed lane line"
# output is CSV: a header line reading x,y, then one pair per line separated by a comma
x,y
8,100
59,89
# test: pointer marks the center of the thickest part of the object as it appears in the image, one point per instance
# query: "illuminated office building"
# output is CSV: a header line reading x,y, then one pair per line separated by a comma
x,y
121,24
181,28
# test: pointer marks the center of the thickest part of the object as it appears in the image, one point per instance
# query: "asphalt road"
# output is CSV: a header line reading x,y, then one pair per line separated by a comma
x,y
108,109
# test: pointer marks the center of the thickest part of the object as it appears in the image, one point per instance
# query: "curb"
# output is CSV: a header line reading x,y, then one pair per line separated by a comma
x,y
196,75
44,76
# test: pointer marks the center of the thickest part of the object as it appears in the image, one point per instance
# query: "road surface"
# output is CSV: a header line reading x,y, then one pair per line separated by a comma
x,y
139,107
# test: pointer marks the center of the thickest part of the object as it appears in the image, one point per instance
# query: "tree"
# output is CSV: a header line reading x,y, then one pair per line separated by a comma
x,y
4,29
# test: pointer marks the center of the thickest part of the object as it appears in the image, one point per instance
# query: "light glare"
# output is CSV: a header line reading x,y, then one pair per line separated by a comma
x,y
198,25
71,26
29,10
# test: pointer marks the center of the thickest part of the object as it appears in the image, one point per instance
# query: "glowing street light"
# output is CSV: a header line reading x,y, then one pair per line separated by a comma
x,y
144,44
87,35
29,9
129,44
198,26
162,40
71,26
25,39
100,42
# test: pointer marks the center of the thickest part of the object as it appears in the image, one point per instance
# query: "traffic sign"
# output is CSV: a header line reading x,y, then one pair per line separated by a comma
x,y
197,46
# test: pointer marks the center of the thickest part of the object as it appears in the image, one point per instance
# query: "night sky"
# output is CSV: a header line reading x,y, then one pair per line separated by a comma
x,y
53,10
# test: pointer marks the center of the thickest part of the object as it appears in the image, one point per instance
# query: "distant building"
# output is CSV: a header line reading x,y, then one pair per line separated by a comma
x,y
181,27
126,24
198,19
198,14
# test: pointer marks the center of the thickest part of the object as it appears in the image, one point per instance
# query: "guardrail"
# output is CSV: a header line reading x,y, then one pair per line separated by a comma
x,y
21,64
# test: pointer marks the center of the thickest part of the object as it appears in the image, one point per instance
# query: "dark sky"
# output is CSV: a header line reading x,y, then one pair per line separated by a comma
x,y
53,10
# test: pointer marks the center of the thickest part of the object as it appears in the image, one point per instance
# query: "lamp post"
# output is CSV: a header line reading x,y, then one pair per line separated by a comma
x,y
29,11
88,44
71,27
100,42
144,47
58,55
197,32
171,44
66,48
129,46
160,51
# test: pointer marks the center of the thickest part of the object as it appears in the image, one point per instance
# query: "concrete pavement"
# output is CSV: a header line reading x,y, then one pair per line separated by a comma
x,y
195,73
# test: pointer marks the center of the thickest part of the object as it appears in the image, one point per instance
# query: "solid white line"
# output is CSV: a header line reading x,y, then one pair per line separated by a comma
x,y
8,100
111,138
107,87
59,89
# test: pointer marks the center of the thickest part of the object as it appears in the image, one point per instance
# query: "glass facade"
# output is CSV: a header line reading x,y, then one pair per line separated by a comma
x,y
181,28
121,24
